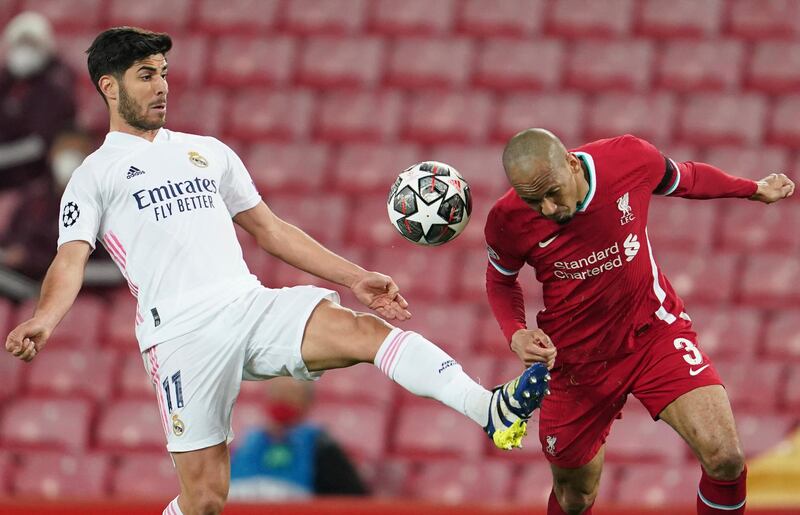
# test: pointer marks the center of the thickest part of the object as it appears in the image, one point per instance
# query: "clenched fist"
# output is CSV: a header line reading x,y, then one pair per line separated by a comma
x,y
773,188
533,345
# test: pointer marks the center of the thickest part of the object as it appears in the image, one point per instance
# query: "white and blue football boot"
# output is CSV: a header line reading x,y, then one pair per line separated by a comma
x,y
512,405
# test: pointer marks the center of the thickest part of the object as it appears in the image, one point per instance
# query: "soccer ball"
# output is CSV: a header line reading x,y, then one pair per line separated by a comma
x,y
429,203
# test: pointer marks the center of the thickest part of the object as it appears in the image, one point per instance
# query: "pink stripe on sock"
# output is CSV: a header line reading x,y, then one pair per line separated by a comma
x,y
395,350
389,349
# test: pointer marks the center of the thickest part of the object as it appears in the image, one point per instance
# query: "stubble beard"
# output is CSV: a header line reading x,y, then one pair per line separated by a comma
x,y
130,111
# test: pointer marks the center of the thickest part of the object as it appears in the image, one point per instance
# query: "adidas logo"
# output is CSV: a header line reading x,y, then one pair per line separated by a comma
x,y
133,172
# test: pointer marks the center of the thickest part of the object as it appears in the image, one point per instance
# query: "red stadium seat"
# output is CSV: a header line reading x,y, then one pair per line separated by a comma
x,y
792,390
323,218
562,113
433,430
450,326
700,278
534,483
451,117
681,18
373,228
288,167
145,475
330,17
619,65
122,322
364,383
425,63
760,432
752,385
358,428
658,485
487,18
637,438
584,18
6,466
82,327
749,226
188,60
728,332
519,65
183,110
68,16
412,17
481,166
52,475
418,271
128,425
712,119
649,116
783,126
61,372
764,19
256,114
752,162
11,371
666,214
360,116
362,168
133,381
770,280
238,16
46,423
153,14
249,412
764,75
690,66
456,482
244,60
783,335
472,276
330,62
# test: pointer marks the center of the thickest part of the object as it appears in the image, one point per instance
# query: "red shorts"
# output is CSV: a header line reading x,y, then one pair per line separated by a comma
x,y
586,398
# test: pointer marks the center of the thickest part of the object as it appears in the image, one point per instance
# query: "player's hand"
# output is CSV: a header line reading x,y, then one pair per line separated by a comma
x,y
772,188
533,345
379,293
28,339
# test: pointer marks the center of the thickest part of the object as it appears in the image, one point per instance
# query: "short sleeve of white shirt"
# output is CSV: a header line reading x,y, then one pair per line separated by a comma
x,y
80,209
237,188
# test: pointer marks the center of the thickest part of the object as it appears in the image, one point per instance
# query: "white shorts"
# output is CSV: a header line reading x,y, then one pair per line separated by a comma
x,y
198,375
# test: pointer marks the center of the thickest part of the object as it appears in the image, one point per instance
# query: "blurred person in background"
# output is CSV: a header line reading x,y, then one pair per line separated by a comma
x,y
37,99
289,457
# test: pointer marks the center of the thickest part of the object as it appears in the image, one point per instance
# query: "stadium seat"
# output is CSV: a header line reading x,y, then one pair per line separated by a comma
x,y
637,438
729,118
448,117
613,65
238,16
330,17
782,340
680,19
154,14
481,166
456,482
751,162
122,321
511,18
12,372
358,428
55,475
188,60
132,425
359,116
562,113
432,430
323,218
587,19
658,485
215,106
504,64
471,284
700,278
667,214
613,114
6,466
133,381
765,76
145,475
750,226
783,126
82,326
770,280
728,332
67,16
427,272
331,62
754,385
288,167
373,228
764,19
257,114
238,61
534,484
761,432
368,167
690,66
249,412
428,63
450,326
46,423
791,391
65,372
412,17
363,383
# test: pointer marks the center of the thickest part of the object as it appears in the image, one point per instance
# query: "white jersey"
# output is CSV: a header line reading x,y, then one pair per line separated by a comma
x,y
163,211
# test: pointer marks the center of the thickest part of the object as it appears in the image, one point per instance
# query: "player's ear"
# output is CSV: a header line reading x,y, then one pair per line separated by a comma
x,y
109,87
574,163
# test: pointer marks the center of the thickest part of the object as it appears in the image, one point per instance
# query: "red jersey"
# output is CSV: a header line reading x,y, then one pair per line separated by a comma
x,y
600,281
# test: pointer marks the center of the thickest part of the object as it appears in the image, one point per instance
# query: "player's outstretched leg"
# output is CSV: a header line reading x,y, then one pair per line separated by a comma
x,y
338,337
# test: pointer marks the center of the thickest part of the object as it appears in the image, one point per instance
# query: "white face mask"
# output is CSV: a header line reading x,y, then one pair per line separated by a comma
x,y
64,163
24,60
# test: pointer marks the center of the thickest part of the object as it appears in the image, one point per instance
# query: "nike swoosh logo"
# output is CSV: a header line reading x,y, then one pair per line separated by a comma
x,y
545,243
693,372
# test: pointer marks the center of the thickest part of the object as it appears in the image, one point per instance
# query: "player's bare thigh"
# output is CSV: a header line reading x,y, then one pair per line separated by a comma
x,y
703,417
576,488
204,477
337,337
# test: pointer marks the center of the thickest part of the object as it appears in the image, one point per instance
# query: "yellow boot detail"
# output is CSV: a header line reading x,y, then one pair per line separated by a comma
x,y
512,436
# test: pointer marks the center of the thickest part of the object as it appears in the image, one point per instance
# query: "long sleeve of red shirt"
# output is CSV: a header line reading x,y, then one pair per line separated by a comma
x,y
506,300
701,181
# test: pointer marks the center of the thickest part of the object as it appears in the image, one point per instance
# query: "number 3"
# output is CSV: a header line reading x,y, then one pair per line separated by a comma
x,y
693,356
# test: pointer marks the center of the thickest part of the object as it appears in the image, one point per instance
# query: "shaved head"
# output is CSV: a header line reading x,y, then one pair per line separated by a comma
x,y
532,151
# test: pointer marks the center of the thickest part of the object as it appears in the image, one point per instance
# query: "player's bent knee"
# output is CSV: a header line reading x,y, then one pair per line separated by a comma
x,y
726,464
572,499
206,503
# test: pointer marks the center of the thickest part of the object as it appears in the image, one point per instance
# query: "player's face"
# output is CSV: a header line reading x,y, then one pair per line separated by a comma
x,y
551,189
143,94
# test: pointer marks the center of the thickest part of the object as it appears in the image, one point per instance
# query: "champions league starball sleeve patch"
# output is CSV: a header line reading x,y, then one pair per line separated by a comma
x,y
70,214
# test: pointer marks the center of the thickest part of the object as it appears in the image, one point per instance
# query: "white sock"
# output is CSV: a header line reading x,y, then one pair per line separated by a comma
x,y
173,508
424,369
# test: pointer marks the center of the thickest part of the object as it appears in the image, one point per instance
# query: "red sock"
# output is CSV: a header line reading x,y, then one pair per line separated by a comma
x,y
715,497
553,508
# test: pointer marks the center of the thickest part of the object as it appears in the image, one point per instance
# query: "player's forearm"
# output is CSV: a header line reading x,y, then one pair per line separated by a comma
x,y
704,181
506,300
59,290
